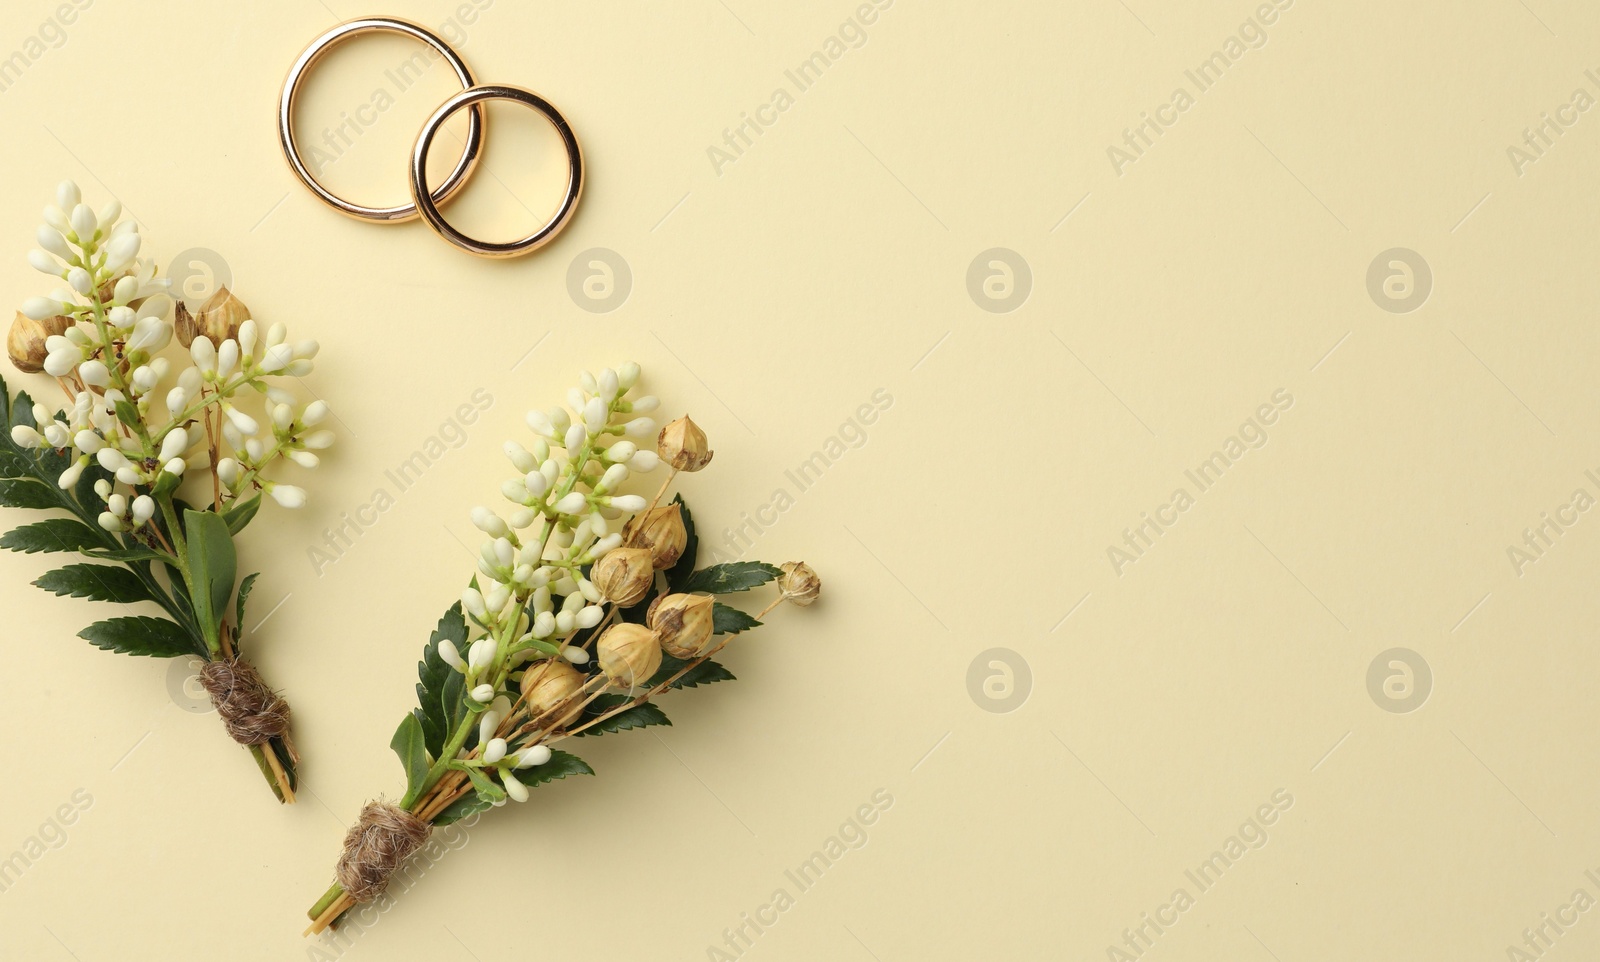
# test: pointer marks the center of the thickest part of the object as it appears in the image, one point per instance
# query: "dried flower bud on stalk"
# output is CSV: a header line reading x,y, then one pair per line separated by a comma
x,y
629,655
624,575
26,342
547,685
218,319
683,446
799,584
684,622
661,532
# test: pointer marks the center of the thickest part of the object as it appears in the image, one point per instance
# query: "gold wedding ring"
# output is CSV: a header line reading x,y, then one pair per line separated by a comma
x,y
470,99
291,92
425,201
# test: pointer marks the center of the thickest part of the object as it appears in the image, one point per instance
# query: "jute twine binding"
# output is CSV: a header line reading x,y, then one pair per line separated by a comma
x,y
374,848
253,713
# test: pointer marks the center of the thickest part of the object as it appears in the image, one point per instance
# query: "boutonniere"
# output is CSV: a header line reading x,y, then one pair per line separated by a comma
x,y
152,464
586,606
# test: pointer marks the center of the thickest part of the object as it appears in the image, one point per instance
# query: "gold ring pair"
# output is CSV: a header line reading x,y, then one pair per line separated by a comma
x,y
426,202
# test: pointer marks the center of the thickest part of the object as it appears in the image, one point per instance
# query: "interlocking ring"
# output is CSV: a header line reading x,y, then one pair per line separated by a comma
x,y
425,202
291,92
470,98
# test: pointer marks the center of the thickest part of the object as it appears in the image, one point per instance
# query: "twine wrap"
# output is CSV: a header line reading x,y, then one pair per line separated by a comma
x,y
253,713
375,847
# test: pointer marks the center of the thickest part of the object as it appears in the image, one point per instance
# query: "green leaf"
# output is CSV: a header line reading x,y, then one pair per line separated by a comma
x,y
22,411
560,765
407,743
14,464
245,587
84,489
55,534
96,582
128,414
128,555
239,513
433,674
213,566
141,635
464,807
487,789
706,673
680,572
733,576
639,716
730,621
453,699
28,493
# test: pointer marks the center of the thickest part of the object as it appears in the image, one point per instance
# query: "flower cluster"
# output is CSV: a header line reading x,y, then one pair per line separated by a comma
x,y
101,336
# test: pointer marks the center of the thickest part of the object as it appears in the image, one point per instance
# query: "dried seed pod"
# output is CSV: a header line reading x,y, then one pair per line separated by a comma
x,y
25,343
624,575
218,319
549,684
683,445
684,622
629,654
661,532
800,585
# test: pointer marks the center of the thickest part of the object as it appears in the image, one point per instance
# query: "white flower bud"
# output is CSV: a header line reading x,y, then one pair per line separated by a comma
x,y
515,789
174,444
495,750
43,263
318,440
573,503
589,616
488,522
481,654
613,478
595,415
640,428
472,601
629,502
575,438
532,755
26,437
620,452
315,413
451,657
110,522
575,655
483,694
628,375
111,459
94,374
646,404
67,195
144,508
80,280
70,476
287,495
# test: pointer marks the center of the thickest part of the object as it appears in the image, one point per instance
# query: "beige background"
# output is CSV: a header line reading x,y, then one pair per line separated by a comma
x,y
770,300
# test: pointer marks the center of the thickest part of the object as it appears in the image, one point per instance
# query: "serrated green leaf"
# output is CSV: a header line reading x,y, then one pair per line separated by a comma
x,y
213,566
464,807
433,674
408,745
97,583
245,587
130,555
14,464
680,572
733,576
21,412
639,716
28,493
453,700
55,534
84,489
560,765
706,673
239,513
727,620
141,635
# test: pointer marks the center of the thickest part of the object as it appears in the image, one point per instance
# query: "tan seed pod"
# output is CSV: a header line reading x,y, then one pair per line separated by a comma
x,y
800,585
624,575
25,342
661,532
549,684
217,319
683,445
684,622
629,654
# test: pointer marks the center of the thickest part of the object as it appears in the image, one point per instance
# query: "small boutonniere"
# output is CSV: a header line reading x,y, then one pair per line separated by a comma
x,y
585,607
136,435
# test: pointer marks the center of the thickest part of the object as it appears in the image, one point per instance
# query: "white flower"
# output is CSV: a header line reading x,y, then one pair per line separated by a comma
x,y
228,471
51,240
483,694
486,726
177,466
287,495
472,601
121,251
514,788
67,195
589,616
595,415
110,522
628,376
111,459
609,385
70,476
318,440
576,656
276,358
495,750
451,657
89,442
204,354
640,428
81,280
315,413
43,263
573,503
489,523
42,308
613,478
497,598
144,508
520,458
645,461
628,502
151,335
26,437
174,444
244,422
646,404
227,357
94,373
577,435
620,452
303,458
532,755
